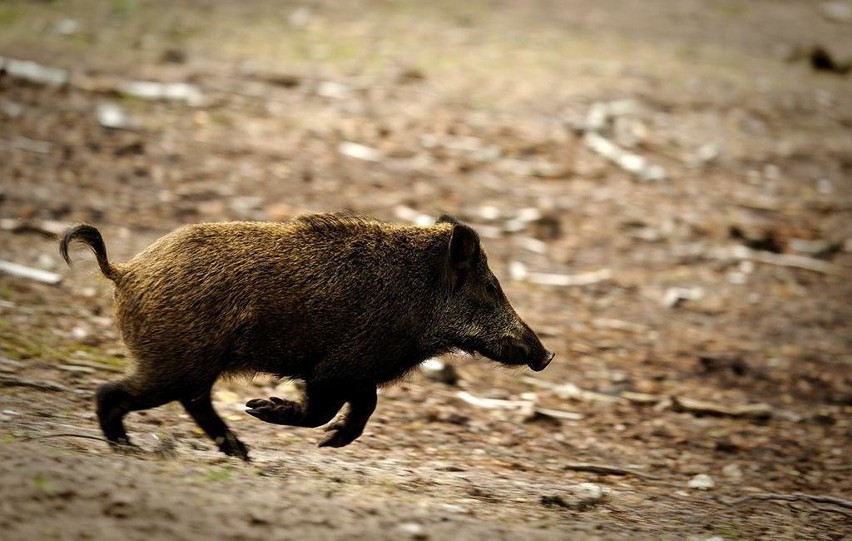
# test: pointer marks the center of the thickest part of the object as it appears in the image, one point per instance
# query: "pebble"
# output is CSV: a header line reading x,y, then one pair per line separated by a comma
x,y
438,370
359,151
67,27
702,481
674,295
153,90
35,72
415,530
840,12
113,116
733,472
589,492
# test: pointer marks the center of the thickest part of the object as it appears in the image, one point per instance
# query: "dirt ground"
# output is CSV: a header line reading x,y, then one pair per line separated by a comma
x,y
725,280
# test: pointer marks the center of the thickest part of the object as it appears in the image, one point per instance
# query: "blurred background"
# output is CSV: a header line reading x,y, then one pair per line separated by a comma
x,y
663,189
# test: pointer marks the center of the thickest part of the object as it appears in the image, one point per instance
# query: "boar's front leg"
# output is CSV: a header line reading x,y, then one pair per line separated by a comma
x,y
321,404
362,404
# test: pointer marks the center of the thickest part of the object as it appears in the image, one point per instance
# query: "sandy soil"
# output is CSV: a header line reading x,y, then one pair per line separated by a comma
x,y
481,111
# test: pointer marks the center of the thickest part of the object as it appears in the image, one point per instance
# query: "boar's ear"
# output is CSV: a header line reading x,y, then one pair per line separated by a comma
x,y
447,219
464,246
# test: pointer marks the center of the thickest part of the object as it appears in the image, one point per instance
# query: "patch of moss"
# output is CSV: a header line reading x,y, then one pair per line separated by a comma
x,y
42,483
5,292
219,474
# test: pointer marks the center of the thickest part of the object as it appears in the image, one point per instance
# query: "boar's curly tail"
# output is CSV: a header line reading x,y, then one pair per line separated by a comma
x,y
93,239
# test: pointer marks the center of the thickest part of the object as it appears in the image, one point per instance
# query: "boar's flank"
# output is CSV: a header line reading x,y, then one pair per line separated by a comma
x,y
344,303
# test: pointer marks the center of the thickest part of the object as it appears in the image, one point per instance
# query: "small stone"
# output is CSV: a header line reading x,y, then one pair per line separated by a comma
x,y
12,109
67,27
153,90
415,530
113,116
825,186
438,370
733,472
246,205
46,261
359,151
840,12
702,481
589,492
331,89
581,497
489,212
675,295
36,73
300,18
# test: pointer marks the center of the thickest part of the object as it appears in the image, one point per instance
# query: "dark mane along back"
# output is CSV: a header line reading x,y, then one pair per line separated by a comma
x,y
334,221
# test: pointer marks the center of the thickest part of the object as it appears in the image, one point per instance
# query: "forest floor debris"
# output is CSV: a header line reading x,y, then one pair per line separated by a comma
x,y
486,115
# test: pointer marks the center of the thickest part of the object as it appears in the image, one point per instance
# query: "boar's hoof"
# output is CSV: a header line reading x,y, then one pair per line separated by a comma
x,y
275,410
231,446
340,434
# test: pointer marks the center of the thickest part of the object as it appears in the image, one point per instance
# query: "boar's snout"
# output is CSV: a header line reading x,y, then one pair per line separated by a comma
x,y
531,353
542,362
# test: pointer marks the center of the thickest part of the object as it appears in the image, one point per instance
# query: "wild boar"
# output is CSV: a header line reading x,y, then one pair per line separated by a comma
x,y
344,303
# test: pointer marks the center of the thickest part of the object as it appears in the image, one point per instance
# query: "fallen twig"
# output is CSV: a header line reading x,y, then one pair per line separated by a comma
x,y
696,407
798,497
571,391
780,260
606,470
518,272
22,271
48,228
562,415
11,381
66,435
699,407
527,407
96,365
492,403
630,162
34,72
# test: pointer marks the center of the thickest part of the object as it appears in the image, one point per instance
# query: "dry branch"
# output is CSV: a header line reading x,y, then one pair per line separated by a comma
x,y
518,272
11,381
571,391
780,260
48,228
606,470
699,407
22,271
813,499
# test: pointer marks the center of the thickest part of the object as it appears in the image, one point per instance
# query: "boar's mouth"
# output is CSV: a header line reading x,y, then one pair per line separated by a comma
x,y
512,352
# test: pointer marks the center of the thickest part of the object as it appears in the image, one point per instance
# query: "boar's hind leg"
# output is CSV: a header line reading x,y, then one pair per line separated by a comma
x,y
200,408
118,398
362,404
113,403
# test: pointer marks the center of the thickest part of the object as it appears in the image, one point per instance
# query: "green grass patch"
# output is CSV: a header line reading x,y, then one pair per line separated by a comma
x,y
41,483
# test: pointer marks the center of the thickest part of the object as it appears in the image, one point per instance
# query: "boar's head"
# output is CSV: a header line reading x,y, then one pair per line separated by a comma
x,y
477,315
